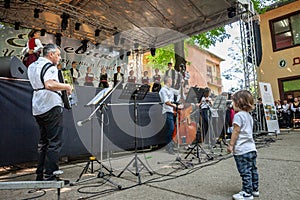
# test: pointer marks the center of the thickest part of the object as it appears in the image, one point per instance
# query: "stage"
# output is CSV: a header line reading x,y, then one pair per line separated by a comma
x,y
19,131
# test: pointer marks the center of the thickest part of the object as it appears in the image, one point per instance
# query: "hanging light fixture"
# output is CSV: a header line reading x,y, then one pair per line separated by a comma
x,y
77,26
36,13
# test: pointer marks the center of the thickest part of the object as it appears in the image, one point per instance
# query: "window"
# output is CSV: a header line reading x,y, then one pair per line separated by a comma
x,y
285,31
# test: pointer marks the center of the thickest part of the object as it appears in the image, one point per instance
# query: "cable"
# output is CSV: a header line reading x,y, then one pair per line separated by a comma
x,y
35,197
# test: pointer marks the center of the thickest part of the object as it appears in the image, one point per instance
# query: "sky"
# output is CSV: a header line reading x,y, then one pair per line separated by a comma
x,y
221,50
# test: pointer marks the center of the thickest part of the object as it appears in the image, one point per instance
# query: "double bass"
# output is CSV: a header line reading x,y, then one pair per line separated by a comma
x,y
186,127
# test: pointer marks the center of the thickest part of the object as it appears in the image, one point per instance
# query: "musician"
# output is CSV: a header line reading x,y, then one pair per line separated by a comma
x,y
75,72
33,48
89,77
131,78
145,78
167,97
103,79
118,76
47,108
156,79
176,77
205,105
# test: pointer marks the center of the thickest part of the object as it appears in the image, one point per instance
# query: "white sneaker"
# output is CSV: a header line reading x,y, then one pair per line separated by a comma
x,y
242,196
255,194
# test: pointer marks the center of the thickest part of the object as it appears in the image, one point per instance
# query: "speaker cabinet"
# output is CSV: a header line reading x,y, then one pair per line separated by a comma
x,y
12,67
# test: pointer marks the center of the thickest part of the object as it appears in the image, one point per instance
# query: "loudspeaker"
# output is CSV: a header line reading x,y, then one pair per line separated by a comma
x,y
12,67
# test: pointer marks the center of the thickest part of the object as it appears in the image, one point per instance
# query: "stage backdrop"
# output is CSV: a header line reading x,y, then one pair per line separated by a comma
x,y
19,132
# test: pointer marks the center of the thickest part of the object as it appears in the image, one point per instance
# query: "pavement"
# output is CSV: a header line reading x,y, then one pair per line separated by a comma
x,y
158,175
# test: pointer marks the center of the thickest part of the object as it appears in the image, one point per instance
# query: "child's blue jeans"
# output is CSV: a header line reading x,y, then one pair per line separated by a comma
x,y
246,165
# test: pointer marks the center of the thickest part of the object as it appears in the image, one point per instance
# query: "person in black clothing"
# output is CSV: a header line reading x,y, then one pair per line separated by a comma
x,y
118,76
175,76
75,72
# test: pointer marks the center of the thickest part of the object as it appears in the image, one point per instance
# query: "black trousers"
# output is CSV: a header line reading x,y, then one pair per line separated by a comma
x,y
51,127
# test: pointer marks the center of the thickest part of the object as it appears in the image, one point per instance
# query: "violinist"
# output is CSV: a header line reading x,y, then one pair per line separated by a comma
x,y
205,104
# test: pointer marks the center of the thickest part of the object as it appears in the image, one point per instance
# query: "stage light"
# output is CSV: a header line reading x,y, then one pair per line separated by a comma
x,y
121,54
64,21
77,26
58,39
152,50
36,13
136,45
122,41
116,37
231,12
17,25
43,32
84,45
97,32
6,3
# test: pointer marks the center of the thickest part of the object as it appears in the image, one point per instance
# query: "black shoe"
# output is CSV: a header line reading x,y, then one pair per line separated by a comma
x,y
39,177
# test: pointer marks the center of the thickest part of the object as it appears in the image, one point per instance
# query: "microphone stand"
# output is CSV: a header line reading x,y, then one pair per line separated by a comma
x,y
178,158
92,158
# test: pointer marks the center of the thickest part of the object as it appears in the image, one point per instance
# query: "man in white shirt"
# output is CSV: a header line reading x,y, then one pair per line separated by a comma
x,y
47,107
167,97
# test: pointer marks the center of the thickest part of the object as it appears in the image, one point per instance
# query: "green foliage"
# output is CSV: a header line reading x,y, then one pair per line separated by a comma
x,y
209,38
162,56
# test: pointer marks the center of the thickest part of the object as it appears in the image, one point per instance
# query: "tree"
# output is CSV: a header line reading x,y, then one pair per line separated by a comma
x,y
203,40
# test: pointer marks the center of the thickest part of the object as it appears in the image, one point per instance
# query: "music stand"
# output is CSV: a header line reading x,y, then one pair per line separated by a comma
x,y
194,96
135,92
220,103
100,97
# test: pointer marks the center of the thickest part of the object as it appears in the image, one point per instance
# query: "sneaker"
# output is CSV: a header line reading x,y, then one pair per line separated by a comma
x,y
255,193
242,196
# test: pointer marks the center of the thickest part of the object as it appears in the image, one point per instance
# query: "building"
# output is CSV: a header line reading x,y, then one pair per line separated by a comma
x,y
204,69
280,36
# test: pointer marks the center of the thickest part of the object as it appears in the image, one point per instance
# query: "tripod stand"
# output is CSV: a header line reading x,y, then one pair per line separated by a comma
x,y
178,158
197,146
100,174
136,160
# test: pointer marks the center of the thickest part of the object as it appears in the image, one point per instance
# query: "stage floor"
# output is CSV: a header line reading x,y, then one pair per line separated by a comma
x,y
278,165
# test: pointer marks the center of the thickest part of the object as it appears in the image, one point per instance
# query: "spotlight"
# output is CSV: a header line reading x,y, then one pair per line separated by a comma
x,y
122,41
121,54
152,50
64,21
36,13
17,25
6,3
43,32
136,45
58,39
231,12
84,45
77,26
97,32
116,37
128,53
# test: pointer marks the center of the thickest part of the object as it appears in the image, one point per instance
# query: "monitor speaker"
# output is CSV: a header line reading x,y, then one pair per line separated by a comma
x,y
12,67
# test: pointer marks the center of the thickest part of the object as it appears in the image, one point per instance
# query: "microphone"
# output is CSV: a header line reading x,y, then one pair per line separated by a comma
x,y
80,123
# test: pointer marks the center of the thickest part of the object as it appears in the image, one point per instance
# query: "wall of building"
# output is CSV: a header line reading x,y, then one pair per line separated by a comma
x,y
269,70
199,59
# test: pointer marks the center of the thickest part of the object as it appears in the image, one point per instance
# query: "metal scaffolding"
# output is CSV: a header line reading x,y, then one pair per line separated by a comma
x,y
247,20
